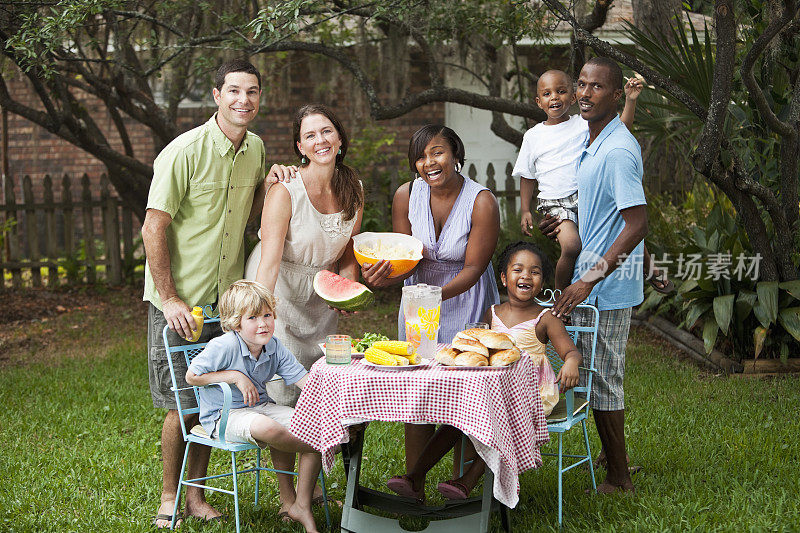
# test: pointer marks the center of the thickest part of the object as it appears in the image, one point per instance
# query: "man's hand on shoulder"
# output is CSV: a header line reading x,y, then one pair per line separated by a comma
x,y
279,173
179,317
572,296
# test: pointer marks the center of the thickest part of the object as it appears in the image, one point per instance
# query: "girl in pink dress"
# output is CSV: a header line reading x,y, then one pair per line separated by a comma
x,y
532,326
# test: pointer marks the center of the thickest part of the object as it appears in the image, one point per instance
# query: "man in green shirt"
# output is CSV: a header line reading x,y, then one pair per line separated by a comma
x,y
206,184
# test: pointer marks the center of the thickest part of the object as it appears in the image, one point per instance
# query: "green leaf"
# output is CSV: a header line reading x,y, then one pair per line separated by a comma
x,y
687,285
784,353
696,310
744,303
768,298
723,310
761,314
792,287
759,334
790,320
710,331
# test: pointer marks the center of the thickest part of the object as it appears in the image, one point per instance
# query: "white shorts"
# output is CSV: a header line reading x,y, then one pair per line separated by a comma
x,y
240,420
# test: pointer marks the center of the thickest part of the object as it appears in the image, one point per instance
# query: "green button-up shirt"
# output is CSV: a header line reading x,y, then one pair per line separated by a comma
x,y
208,190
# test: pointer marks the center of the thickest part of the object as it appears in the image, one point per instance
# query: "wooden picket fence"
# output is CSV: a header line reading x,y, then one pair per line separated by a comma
x,y
48,242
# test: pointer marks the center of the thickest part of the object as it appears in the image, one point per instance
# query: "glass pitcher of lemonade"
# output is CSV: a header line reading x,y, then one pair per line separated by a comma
x,y
421,309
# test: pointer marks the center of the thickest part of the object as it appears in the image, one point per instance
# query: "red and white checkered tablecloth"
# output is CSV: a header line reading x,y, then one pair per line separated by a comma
x,y
499,409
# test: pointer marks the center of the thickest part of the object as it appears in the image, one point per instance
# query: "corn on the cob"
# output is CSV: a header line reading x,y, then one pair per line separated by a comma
x,y
413,358
395,347
381,357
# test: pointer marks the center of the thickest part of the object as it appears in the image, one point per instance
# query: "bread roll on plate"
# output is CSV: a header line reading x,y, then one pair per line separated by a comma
x,y
469,345
447,356
494,340
504,357
471,359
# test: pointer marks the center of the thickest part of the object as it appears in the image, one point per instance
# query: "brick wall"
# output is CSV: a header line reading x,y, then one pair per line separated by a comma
x,y
35,152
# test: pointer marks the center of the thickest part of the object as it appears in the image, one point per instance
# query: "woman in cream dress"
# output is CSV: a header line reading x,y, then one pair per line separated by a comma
x,y
306,226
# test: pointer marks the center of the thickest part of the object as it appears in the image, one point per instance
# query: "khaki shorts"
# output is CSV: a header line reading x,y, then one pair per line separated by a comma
x,y
240,420
158,366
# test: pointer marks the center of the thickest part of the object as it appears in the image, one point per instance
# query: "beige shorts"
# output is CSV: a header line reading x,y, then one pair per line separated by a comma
x,y
240,420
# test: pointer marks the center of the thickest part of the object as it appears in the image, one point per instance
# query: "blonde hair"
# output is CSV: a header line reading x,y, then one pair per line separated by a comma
x,y
243,297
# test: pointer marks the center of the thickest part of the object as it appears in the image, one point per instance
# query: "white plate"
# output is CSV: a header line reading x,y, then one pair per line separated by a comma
x,y
456,367
357,355
422,363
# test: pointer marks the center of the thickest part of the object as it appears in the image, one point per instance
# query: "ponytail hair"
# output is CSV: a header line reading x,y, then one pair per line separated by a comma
x,y
346,185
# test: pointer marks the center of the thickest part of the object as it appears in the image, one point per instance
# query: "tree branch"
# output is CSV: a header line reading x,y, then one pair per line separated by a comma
x,y
709,143
748,63
653,76
379,111
598,16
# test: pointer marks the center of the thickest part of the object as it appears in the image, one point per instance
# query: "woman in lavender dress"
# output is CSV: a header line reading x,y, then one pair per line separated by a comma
x,y
458,222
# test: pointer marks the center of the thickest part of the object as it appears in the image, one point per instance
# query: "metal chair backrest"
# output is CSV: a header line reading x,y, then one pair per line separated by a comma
x,y
574,331
189,351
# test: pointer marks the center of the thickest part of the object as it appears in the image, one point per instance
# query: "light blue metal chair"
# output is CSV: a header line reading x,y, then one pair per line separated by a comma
x,y
197,435
572,408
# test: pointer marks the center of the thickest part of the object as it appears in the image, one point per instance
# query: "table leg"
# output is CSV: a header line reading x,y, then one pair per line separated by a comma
x,y
455,516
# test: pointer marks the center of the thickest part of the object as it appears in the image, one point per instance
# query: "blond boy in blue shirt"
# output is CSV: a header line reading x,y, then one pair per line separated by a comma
x,y
248,356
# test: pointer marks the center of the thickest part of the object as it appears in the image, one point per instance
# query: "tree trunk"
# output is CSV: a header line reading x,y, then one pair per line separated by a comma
x,y
656,16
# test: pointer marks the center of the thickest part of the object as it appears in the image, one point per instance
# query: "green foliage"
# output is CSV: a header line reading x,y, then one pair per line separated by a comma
x,y
373,153
5,228
753,317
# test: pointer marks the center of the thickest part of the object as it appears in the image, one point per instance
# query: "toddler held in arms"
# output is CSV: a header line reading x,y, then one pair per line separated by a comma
x,y
532,327
550,154
248,356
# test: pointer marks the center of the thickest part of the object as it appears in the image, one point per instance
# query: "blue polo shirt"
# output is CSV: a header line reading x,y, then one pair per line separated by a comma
x,y
229,352
610,180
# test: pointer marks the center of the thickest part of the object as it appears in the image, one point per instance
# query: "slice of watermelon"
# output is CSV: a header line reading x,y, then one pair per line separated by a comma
x,y
340,292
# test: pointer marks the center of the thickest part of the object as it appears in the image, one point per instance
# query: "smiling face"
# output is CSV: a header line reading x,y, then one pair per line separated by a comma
x,y
597,96
554,95
237,100
437,165
523,276
319,139
256,329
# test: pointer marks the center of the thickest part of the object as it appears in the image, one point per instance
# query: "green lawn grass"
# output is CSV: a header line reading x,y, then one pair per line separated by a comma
x,y
81,446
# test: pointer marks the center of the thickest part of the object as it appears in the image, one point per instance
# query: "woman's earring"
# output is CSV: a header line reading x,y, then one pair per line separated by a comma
x,y
340,151
303,160
458,167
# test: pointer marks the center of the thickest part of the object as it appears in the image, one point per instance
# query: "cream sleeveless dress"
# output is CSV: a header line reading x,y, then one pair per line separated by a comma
x,y
314,241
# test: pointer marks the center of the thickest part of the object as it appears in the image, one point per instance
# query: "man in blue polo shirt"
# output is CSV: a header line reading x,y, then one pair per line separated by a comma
x,y
612,222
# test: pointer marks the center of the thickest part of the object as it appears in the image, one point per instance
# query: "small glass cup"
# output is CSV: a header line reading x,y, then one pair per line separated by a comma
x,y
338,349
477,325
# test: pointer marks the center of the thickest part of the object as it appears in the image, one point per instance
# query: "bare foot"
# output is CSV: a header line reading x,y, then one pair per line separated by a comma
x,y
609,488
304,516
201,509
165,509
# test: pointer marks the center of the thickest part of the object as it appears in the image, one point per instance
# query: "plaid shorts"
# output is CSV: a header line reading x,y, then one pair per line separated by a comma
x,y
609,358
563,208
158,366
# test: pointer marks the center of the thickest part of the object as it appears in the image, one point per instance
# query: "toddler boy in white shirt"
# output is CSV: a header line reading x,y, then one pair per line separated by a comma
x,y
550,154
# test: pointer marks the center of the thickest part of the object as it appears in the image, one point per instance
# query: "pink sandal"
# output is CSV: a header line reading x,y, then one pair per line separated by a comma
x,y
403,486
453,490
